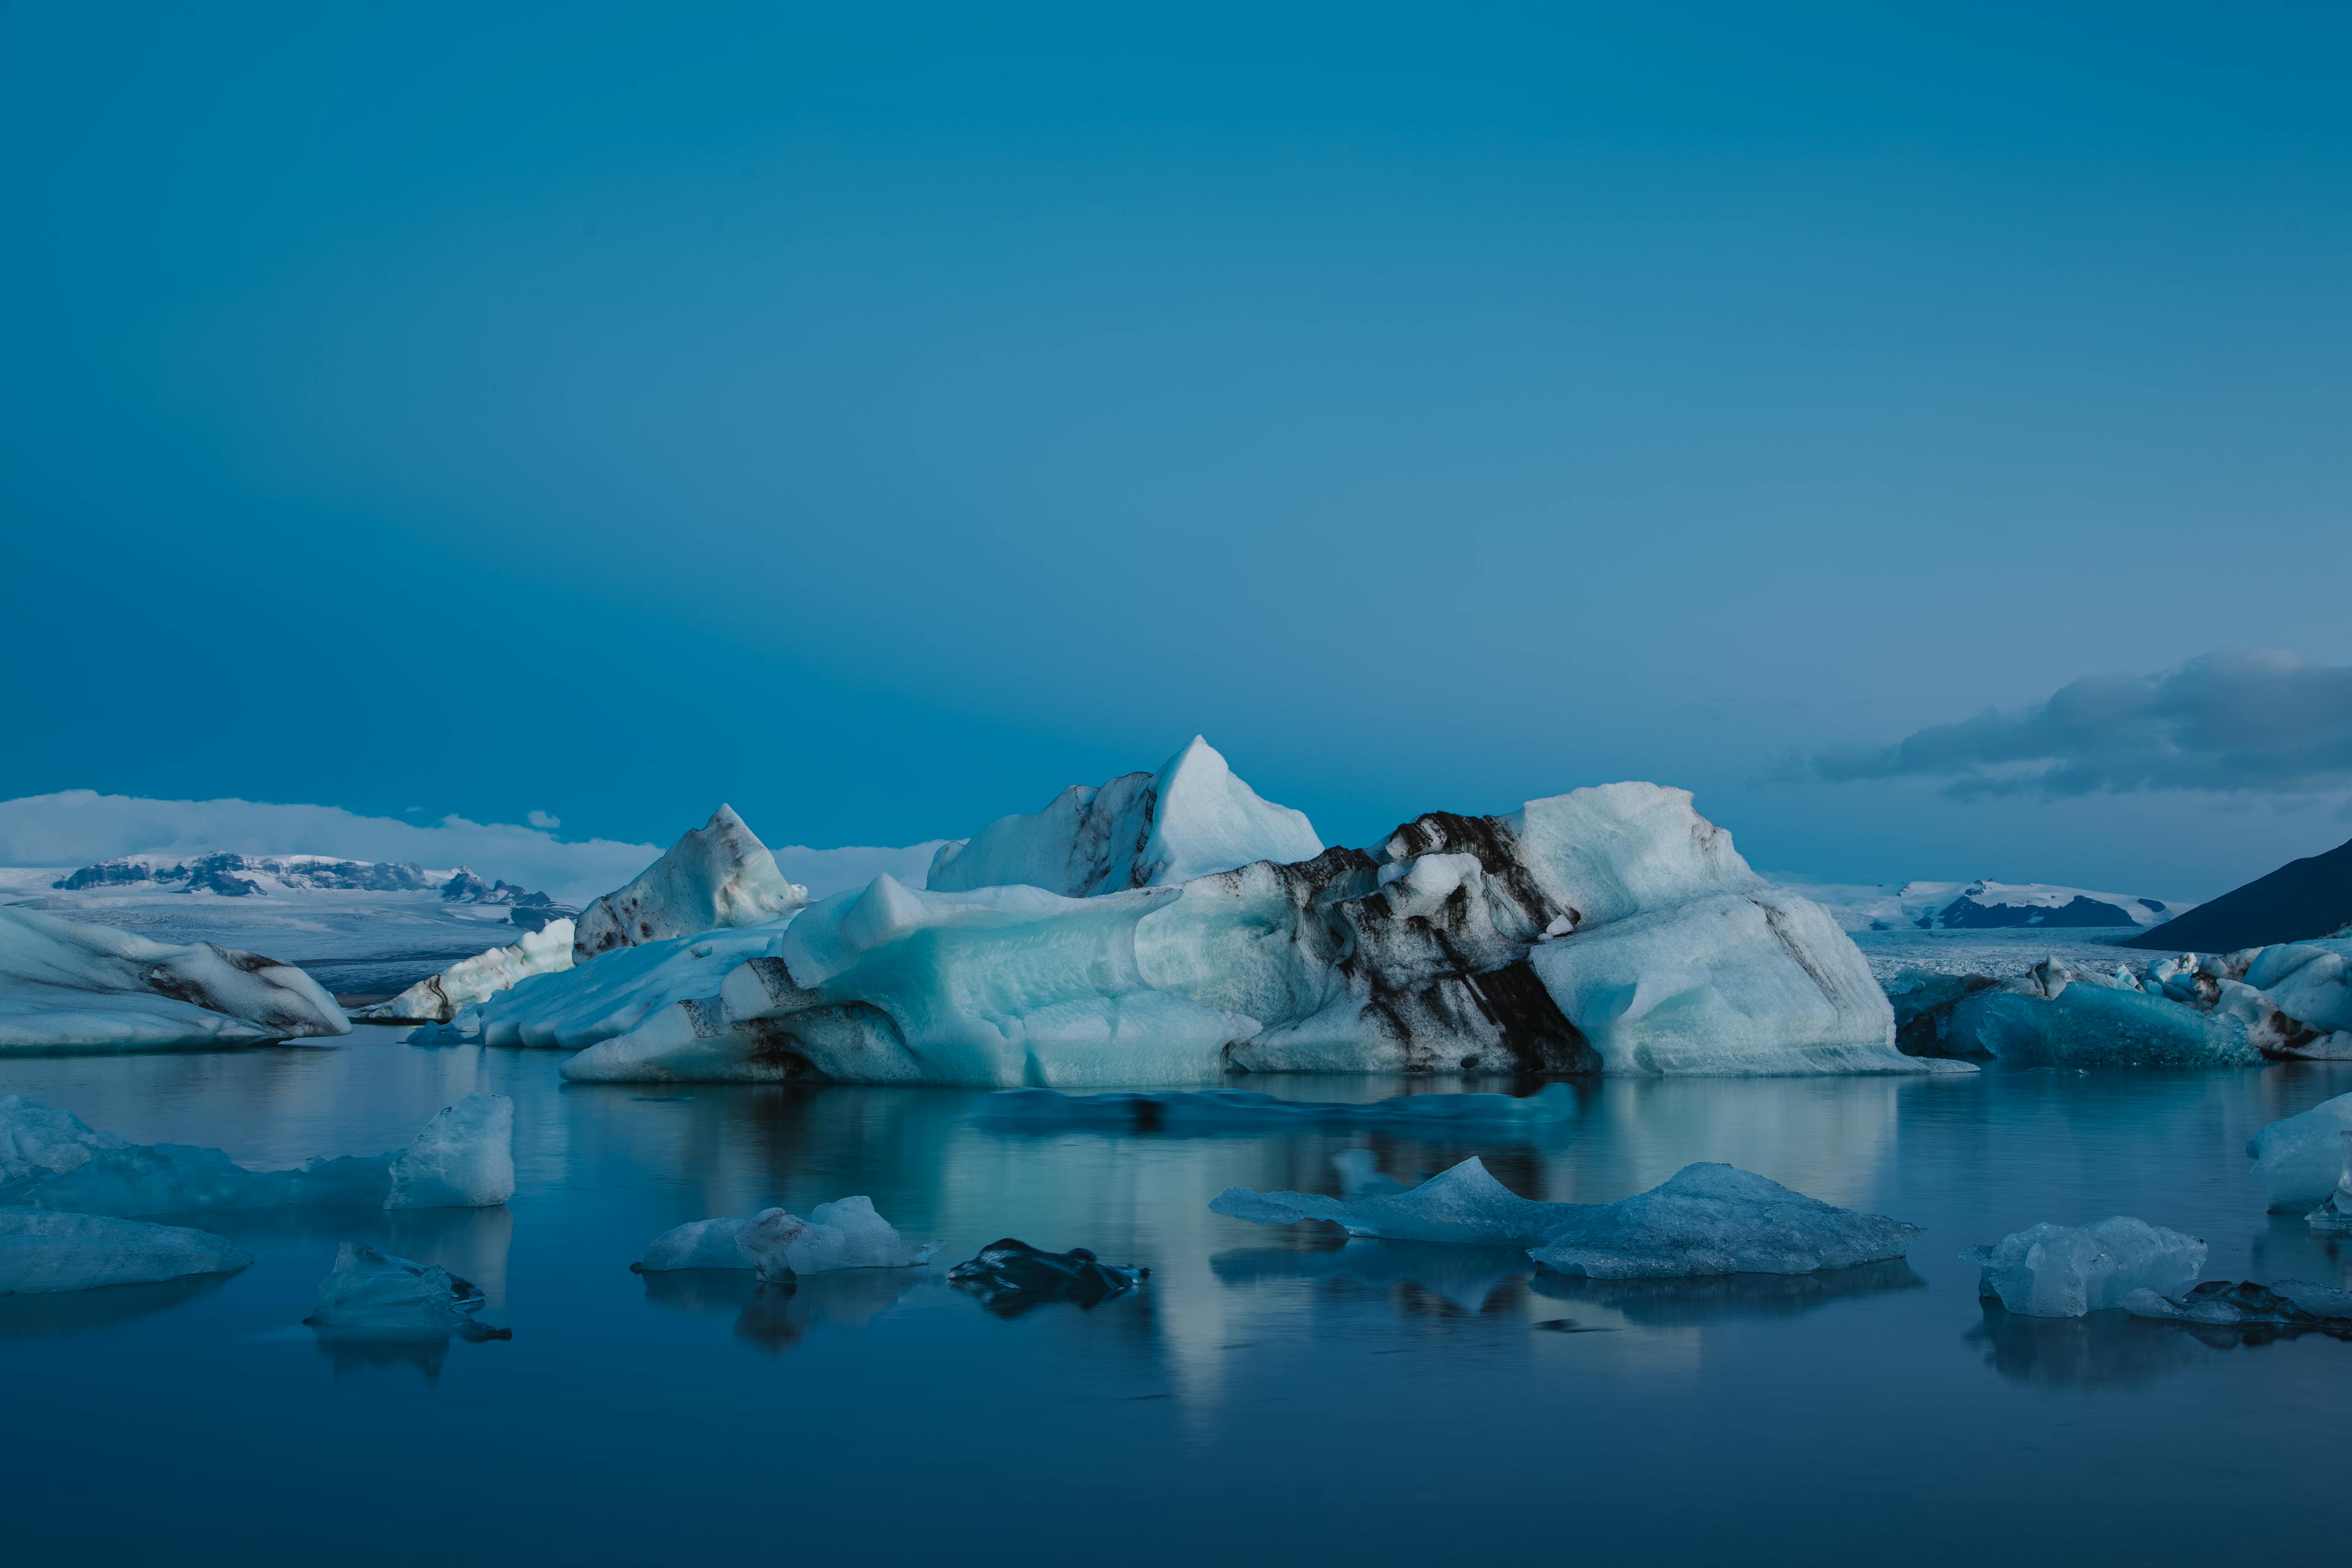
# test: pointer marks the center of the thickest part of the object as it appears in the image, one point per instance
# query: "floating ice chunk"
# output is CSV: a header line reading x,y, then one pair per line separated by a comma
x,y
2299,1159
53,1159
2064,1271
2221,1303
1462,1205
42,1251
1141,830
371,1294
716,877
2333,1217
438,998
1010,1276
1706,1219
2095,1025
464,1158
70,985
575,1008
697,1244
1716,1219
844,1233
1219,1109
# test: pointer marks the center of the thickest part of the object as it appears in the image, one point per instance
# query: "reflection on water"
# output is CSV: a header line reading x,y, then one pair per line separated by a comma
x,y
1296,1355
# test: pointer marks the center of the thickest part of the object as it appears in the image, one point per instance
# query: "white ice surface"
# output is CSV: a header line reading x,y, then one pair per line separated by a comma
x,y
578,1007
1706,1219
719,877
464,1158
844,1233
2064,1271
1901,906
472,981
42,1251
1192,817
2299,1159
68,983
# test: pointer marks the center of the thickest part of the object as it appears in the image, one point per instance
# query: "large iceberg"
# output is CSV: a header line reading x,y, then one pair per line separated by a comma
x,y
53,1159
1141,830
438,998
43,1251
1706,1219
578,1007
71,985
717,876
1611,929
844,1233
2064,1271
2094,1025
2299,1159
371,1294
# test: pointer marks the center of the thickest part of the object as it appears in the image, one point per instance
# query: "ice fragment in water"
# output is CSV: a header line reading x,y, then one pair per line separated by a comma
x,y
2221,1304
844,1233
464,1158
42,1251
697,1244
2064,1271
371,1294
1010,1276
2300,1159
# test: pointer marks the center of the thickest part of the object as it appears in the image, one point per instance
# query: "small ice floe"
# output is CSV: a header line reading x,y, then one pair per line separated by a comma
x,y
2300,1160
2064,1271
42,1251
52,1159
2219,1303
844,1234
372,1295
1706,1219
1228,1110
1010,1276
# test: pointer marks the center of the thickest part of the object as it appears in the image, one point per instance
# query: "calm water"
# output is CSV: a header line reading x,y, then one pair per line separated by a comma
x,y
1268,1392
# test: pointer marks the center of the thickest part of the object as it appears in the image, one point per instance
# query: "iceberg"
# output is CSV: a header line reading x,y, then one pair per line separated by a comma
x,y
372,1295
1706,1219
53,1159
2333,1217
2094,1025
697,1244
1010,1276
438,998
2065,1271
2299,1159
42,1251
1607,930
1226,1109
716,877
844,1233
70,985
1141,830
2221,1304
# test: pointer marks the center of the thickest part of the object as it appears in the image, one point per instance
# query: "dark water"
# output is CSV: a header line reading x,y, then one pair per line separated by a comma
x,y
1268,1394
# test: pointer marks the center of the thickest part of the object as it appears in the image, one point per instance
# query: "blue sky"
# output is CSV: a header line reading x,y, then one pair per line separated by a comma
x,y
880,421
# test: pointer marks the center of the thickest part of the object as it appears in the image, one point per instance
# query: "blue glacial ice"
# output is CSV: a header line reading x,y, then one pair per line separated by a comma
x,y
1707,1219
844,1234
2094,1025
2066,1270
51,1159
371,1294
2300,1159
42,1251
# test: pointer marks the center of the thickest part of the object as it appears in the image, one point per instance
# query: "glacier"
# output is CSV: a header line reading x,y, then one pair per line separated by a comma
x,y
1010,1276
1706,1219
1192,817
717,876
72,984
43,1251
844,1233
438,998
371,1294
2299,1159
2064,1271
53,1159
1613,929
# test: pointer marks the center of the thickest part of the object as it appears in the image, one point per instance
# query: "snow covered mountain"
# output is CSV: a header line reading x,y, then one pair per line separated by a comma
x,y
1985,905
1191,819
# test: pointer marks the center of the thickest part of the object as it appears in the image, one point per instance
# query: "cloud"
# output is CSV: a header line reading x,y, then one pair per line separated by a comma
x,y
2264,724
543,819
80,827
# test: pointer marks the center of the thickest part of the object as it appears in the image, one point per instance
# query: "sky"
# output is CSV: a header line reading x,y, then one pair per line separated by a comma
x,y
879,421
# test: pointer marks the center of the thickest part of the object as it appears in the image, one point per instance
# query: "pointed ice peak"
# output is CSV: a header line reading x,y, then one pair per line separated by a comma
x,y
717,876
1190,819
